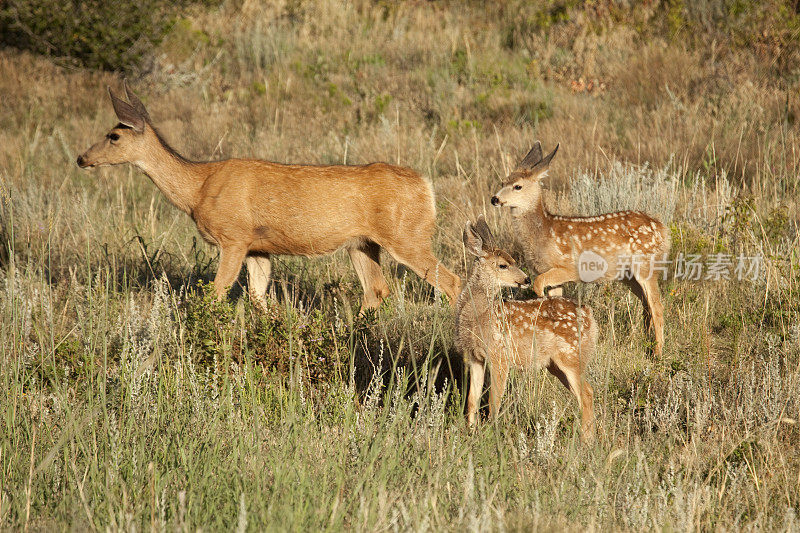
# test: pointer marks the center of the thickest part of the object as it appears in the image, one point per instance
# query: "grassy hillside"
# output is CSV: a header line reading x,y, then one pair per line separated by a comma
x,y
131,400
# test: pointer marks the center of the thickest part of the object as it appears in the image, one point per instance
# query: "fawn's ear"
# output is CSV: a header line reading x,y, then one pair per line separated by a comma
x,y
473,242
126,113
483,231
534,163
135,102
533,157
544,163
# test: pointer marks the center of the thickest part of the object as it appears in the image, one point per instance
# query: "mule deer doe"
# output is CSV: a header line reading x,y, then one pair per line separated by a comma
x,y
251,209
547,332
554,245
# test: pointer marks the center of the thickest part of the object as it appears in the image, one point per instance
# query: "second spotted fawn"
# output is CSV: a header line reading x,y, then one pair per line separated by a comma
x,y
624,245
555,333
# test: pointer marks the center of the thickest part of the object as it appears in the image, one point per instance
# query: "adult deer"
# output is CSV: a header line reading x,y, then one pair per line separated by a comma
x,y
626,245
547,332
252,209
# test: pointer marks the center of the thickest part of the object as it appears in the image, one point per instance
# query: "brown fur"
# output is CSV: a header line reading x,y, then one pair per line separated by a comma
x,y
554,243
251,208
552,333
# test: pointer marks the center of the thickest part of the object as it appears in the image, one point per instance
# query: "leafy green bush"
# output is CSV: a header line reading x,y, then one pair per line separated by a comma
x,y
280,335
89,33
209,323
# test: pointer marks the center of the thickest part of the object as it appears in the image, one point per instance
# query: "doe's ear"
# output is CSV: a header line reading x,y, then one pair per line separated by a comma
x,y
126,113
135,102
473,242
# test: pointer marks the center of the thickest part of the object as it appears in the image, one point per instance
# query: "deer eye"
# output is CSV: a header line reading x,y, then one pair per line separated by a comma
x,y
503,266
518,187
113,136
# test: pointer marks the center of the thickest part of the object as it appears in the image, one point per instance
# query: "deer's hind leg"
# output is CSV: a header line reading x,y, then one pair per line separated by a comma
x,y
638,291
655,308
366,257
424,264
259,270
572,379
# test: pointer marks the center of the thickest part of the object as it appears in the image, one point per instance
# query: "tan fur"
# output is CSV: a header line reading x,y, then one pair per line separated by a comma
x,y
552,333
554,243
252,209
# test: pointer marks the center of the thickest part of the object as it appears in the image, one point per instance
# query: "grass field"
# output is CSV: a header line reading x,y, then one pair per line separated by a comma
x,y
131,400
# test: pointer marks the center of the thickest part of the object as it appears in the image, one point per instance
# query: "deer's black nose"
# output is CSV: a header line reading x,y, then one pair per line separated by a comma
x,y
495,200
81,161
527,280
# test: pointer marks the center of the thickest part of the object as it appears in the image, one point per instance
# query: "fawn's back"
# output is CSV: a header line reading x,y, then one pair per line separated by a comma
x,y
619,236
530,333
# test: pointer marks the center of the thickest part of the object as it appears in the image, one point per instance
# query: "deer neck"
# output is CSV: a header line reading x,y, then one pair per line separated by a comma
x,y
476,299
533,220
177,178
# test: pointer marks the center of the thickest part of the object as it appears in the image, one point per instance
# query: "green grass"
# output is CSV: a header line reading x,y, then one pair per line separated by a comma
x,y
120,417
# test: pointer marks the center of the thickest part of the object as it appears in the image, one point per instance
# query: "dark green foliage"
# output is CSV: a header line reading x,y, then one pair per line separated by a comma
x,y
769,28
278,337
524,18
281,337
90,33
209,323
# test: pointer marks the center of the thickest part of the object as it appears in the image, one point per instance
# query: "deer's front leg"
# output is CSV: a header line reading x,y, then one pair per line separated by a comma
x,y
553,278
498,387
476,375
230,263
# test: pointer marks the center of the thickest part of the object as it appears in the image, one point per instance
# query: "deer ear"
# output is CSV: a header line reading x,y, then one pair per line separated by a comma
x,y
533,157
544,163
135,102
126,113
534,162
473,242
483,231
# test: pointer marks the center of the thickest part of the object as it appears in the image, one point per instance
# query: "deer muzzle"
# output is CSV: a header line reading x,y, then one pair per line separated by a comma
x,y
83,162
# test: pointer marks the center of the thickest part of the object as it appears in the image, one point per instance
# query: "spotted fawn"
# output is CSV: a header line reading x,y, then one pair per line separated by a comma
x,y
554,333
628,244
